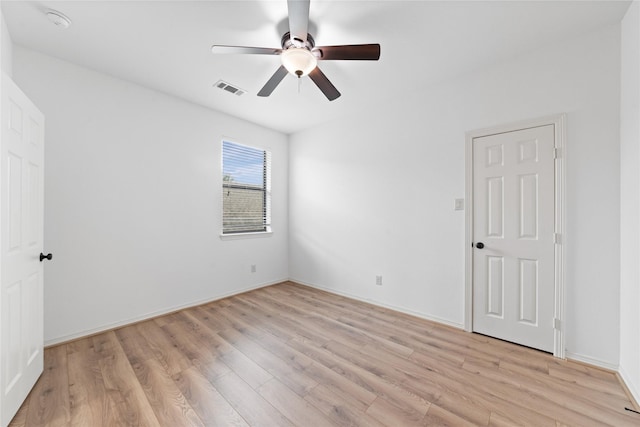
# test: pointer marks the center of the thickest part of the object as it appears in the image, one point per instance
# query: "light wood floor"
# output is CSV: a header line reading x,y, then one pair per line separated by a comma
x,y
291,355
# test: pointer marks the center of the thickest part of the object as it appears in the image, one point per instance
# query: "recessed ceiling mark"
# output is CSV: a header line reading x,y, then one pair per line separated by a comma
x,y
58,19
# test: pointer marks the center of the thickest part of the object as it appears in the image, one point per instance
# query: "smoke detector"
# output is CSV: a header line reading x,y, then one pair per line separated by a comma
x,y
58,19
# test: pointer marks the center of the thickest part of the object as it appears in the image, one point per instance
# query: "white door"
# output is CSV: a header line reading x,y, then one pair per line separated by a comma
x,y
513,236
21,230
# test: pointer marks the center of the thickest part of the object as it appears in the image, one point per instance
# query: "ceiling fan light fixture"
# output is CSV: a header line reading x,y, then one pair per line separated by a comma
x,y
299,61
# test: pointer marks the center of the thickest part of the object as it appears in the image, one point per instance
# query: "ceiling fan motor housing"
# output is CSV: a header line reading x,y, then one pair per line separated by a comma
x,y
286,42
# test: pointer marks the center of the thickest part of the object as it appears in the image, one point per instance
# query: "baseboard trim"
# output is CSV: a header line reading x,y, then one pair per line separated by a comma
x,y
627,385
592,361
116,325
380,304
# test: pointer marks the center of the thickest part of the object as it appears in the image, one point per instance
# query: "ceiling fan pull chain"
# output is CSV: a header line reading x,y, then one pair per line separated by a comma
x,y
299,84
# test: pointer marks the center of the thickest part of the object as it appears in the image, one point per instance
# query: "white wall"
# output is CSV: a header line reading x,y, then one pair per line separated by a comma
x,y
374,194
133,200
132,234
6,47
630,201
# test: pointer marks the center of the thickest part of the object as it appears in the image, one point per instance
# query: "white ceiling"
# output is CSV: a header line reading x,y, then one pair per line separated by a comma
x,y
165,45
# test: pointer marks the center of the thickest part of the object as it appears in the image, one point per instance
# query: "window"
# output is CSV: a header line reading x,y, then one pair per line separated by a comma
x,y
246,189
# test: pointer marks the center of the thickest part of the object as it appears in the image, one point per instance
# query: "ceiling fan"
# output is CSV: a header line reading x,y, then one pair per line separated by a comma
x,y
300,55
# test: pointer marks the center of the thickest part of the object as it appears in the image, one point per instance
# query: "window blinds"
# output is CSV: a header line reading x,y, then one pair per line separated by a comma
x,y
246,175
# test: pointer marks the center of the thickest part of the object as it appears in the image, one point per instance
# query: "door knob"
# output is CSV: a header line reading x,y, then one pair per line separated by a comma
x,y
479,245
43,256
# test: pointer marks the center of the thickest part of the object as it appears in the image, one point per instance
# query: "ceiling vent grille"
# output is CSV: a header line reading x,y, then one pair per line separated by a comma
x,y
220,84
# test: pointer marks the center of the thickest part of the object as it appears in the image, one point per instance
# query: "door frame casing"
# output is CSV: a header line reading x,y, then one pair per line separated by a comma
x,y
559,123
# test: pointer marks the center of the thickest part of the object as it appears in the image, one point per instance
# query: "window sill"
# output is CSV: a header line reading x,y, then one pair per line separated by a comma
x,y
243,236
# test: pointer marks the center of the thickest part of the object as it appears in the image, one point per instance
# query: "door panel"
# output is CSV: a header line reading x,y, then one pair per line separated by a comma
x,y
513,216
13,321
34,210
495,286
528,206
14,202
528,312
21,231
495,214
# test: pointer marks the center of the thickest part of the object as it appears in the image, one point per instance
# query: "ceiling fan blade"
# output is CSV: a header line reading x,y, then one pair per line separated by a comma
x,y
370,52
298,20
273,82
216,48
324,84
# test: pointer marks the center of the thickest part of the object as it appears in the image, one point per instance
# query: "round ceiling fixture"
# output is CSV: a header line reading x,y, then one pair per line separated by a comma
x,y
298,61
58,19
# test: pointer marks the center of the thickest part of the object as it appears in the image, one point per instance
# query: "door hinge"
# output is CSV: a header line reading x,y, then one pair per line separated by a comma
x,y
557,153
557,324
557,238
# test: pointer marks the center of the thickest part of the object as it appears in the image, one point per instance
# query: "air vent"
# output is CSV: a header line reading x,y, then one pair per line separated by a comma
x,y
229,88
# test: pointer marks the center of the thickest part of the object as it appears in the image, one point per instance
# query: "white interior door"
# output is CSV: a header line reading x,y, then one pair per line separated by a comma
x,y
513,236
21,232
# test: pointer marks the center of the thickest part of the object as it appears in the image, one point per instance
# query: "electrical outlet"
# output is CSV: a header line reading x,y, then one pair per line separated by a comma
x,y
379,280
253,268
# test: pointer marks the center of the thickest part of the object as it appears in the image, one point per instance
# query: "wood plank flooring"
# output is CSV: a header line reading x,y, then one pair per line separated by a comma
x,y
289,355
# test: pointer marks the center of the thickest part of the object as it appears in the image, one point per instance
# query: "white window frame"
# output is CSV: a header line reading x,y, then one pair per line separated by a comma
x,y
267,192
